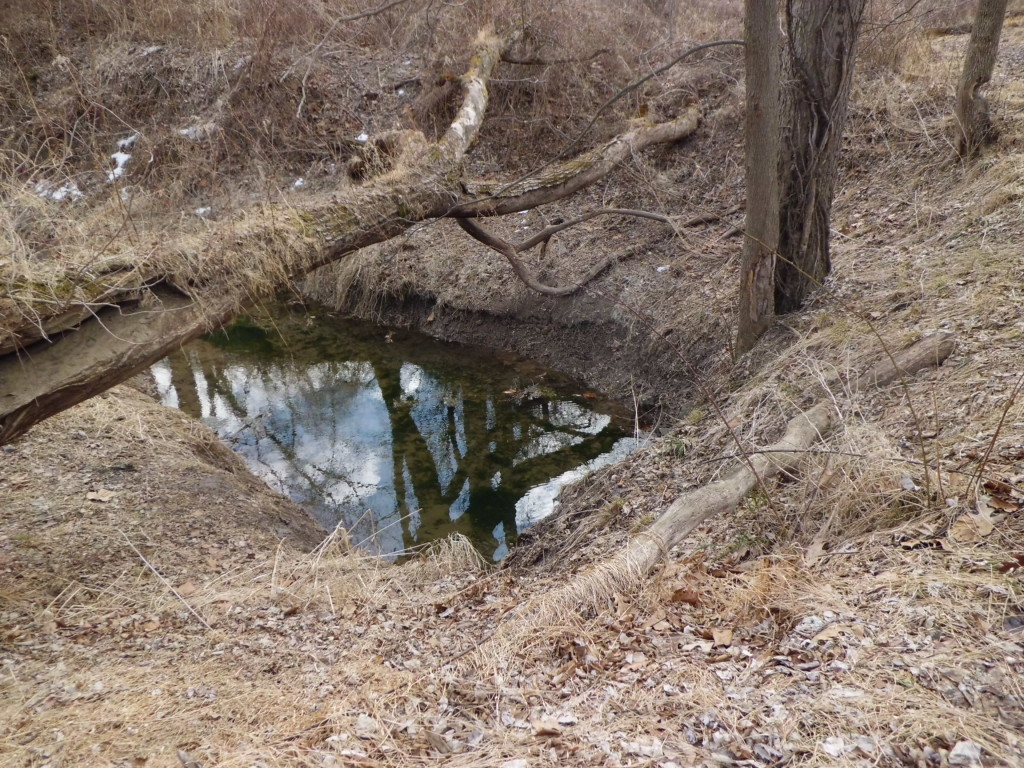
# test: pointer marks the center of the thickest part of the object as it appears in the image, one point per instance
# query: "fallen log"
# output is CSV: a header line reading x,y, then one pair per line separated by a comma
x,y
199,282
625,571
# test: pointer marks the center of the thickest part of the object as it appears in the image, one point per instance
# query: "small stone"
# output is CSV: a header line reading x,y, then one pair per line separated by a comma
x,y
834,745
809,626
965,753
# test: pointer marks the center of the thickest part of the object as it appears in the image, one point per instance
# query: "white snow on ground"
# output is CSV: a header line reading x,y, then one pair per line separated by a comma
x,y
121,157
48,189
363,137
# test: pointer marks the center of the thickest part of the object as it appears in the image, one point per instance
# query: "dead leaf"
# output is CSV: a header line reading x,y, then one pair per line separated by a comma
x,y
687,596
545,726
722,636
150,626
831,632
658,617
187,588
437,742
102,495
636,659
970,528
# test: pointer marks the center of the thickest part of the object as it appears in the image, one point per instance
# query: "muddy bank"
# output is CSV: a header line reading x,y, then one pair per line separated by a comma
x,y
645,362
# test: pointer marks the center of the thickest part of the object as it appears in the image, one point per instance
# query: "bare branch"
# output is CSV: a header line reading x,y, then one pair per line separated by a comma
x,y
600,111
370,12
511,251
314,55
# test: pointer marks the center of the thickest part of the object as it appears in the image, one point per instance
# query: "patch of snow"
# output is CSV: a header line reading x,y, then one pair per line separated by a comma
x,y
121,157
127,143
299,183
120,161
204,211
68,191
662,269
364,137
151,50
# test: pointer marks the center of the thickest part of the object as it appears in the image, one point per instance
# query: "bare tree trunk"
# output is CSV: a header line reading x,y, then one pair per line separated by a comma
x,y
974,126
819,65
763,39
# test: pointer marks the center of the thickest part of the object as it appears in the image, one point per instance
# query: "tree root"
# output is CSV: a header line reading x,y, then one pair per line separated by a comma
x,y
626,571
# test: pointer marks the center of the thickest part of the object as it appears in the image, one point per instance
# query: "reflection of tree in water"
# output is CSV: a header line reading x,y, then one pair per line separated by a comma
x,y
396,453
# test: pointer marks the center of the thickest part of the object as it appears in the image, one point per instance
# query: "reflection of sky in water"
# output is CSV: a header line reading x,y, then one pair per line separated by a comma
x,y
408,457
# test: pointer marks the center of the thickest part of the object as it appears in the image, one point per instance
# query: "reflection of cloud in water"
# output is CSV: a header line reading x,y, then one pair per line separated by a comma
x,y
321,433
432,402
461,504
410,377
502,551
163,378
562,414
411,502
541,500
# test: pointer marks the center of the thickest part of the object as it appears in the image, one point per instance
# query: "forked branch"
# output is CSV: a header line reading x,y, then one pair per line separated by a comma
x,y
511,251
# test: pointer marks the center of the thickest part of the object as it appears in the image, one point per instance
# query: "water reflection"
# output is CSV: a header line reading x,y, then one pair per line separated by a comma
x,y
400,439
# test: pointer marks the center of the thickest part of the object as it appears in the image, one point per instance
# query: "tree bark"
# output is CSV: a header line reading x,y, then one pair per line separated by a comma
x,y
819,62
763,38
974,126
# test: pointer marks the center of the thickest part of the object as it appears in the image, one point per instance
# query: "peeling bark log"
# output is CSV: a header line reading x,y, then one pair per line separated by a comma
x,y
213,276
567,178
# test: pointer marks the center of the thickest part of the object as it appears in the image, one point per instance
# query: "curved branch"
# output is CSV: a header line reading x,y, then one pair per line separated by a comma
x,y
511,251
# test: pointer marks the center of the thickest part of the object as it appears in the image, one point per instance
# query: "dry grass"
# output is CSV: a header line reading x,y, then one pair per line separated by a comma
x,y
843,606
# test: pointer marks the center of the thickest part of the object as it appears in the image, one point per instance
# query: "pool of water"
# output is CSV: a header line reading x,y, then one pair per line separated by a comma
x,y
398,437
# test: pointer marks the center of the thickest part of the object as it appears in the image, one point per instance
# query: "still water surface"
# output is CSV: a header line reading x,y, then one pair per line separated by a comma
x,y
400,438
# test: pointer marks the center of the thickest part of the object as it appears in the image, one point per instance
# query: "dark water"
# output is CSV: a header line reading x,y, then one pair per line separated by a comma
x,y
400,438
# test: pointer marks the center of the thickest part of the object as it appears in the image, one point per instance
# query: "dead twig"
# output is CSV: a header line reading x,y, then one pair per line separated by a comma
x,y
166,583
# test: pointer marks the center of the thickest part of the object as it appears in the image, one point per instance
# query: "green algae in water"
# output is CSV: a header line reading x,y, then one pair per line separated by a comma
x,y
398,437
